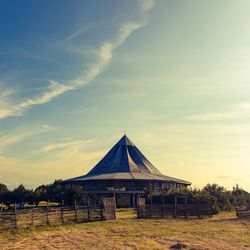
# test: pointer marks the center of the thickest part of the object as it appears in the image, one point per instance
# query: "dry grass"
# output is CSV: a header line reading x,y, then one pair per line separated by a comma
x,y
223,231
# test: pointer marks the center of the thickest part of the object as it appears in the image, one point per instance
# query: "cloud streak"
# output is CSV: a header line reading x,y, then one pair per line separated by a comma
x,y
224,177
16,137
65,145
236,111
8,109
104,53
76,34
146,5
79,32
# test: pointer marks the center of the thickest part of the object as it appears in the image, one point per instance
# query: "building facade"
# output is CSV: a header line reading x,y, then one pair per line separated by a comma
x,y
125,173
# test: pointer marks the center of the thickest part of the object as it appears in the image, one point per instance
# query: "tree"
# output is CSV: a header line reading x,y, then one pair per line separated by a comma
x,y
57,192
240,196
3,191
19,193
3,188
219,196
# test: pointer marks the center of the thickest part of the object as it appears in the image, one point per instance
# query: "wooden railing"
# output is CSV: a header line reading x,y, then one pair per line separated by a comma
x,y
173,211
24,218
41,216
242,212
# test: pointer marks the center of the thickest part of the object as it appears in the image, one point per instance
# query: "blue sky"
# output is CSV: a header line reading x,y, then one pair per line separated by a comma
x,y
75,75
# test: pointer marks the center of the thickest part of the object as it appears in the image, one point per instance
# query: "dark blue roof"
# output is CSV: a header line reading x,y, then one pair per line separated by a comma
x,y
125,162
124,157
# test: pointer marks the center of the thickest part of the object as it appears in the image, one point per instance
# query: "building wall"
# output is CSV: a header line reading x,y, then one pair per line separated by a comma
x,y
123,200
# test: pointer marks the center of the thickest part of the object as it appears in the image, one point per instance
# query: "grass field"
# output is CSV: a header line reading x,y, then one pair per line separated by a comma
x,y
223,231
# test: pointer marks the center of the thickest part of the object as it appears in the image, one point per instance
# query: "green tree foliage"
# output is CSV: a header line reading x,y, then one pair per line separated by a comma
x,y
217,196
54,192
220,198
57,193
3,188
3,191
240,196
193,195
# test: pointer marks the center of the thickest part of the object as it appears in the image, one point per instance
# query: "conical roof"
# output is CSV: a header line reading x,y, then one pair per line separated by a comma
x,y
124,157
125,162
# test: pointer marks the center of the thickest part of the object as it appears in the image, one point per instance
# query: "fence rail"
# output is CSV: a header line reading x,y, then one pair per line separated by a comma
x,y
173,211
25,218
242,212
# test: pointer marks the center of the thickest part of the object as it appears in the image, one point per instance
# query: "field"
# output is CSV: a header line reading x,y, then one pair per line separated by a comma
x,y
223,231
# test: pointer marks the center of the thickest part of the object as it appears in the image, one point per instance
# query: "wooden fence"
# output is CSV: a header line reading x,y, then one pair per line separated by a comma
x,y
25,218
41,216
242,212
173,211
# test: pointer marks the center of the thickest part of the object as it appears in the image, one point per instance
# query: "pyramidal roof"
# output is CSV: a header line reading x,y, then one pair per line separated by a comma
x,y
124,157
125,162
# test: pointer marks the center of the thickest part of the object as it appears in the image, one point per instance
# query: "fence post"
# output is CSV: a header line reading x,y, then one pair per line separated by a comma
x,y
150,205
88,208
101,211
88,214
47,213
32,217
15,216
198,209
114,208
62,218
1,207
138,205
75,211
162,203
101,206
186,215
175,207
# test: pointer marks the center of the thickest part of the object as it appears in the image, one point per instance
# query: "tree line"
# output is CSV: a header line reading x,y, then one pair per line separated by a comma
x,y
54,192
216,195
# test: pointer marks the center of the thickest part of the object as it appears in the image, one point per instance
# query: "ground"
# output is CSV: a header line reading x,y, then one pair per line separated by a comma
x,y
223,231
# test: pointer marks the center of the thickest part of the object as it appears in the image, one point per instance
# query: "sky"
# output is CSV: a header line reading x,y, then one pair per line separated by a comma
x,y
173,75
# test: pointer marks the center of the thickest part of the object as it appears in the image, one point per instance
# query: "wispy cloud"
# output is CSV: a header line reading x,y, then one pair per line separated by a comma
x,y
105,53
66,163
5,102
81,31
76,33
130,95
16,137
224,177
8,108
236,111
63,145
146,5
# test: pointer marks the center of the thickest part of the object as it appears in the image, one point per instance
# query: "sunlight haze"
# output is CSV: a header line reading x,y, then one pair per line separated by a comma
x,y
174,75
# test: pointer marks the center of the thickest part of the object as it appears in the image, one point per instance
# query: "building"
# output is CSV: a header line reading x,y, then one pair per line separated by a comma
x,y
125,173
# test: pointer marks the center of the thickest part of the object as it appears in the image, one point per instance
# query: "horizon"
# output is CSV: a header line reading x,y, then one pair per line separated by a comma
x,y
174,75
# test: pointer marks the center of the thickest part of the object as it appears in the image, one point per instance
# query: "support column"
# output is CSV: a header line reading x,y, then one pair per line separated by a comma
x,y
186,215
175,207
100,199
133,200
